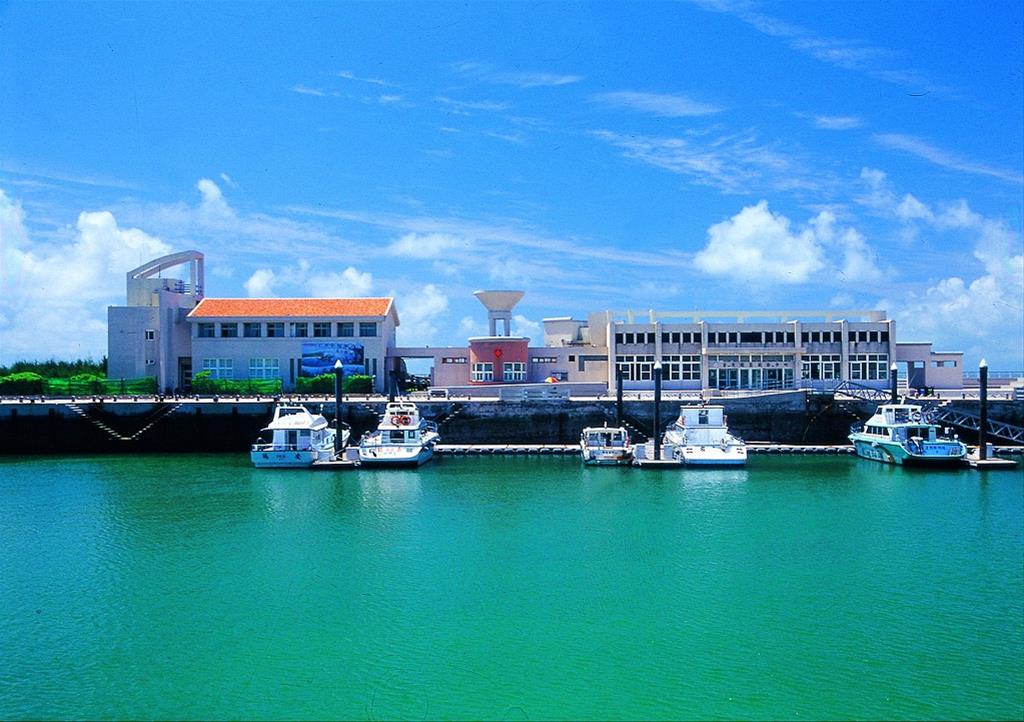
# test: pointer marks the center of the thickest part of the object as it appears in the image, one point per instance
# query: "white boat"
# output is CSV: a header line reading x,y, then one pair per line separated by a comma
x,y
605,445
700,436
297,438
402,438
902,434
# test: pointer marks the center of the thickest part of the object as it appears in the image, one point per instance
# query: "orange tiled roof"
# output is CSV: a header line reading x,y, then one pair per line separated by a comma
x,y
290,307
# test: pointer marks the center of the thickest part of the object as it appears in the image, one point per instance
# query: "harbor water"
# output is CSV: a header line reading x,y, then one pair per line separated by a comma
x,y
518,588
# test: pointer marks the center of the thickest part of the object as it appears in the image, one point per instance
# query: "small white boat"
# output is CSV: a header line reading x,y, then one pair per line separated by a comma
x,y
605,445
402,438
901,434
297,438
700,436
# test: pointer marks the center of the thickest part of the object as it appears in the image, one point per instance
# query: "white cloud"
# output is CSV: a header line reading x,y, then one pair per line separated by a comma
x,y
660,104
470,327
837,122
760,247
736,163
348,283
522,326
419,312
467,105
944,158
425,245
260,284
227,179
349,75
976,306
54,295
521,79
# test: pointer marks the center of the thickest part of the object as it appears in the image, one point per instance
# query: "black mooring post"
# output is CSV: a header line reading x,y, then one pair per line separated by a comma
x,y
893,384
338,374
657,412
983,413
391,385
618,396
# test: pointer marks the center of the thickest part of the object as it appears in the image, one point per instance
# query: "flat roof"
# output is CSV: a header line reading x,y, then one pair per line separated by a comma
x,y
291,307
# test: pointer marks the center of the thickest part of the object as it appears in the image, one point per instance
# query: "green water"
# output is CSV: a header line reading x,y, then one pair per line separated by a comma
x,y
815,587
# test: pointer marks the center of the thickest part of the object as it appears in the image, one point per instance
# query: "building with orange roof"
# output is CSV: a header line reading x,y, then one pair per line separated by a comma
x,y
170,330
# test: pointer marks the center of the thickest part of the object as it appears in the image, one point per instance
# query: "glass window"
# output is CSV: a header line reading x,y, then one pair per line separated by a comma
x,y
300,329
367,328
264,368
483,372
322,329
515,371
453,360
346,328
229,330
150,334
275,329
252,330
205,330
219,368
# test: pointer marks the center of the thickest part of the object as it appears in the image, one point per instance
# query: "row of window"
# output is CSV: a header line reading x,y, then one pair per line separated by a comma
x,y
276,329
259,368
750,358
674,367
754,337
869,366
512,371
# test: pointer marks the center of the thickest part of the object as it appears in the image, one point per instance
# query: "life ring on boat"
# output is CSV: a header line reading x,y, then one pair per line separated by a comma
x,y
916,417
396,419
402,420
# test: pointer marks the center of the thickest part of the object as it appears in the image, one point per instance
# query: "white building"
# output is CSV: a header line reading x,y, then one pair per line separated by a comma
x,y
269,338
149,335
168,330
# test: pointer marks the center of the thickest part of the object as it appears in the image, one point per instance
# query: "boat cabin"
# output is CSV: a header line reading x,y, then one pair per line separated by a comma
x,y
702,416
607,438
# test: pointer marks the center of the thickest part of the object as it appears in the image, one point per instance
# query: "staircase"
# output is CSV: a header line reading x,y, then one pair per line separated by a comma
x,y
151,421
445,418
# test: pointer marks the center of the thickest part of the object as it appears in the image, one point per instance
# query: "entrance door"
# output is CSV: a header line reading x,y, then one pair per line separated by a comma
x,y
185,372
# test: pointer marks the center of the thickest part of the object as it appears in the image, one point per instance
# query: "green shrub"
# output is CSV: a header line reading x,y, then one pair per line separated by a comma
x,y
324,384
202,383
25,382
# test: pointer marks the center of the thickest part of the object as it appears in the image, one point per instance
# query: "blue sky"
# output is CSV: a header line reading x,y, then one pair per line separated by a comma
x,y
708,155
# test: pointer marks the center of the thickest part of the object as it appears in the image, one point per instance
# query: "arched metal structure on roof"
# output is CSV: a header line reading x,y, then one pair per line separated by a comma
x,y
139,287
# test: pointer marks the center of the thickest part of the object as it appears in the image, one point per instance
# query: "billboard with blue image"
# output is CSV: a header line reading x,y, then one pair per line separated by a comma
x,y
320,357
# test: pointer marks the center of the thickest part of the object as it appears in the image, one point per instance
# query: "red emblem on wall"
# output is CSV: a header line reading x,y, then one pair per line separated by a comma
x,y
497,353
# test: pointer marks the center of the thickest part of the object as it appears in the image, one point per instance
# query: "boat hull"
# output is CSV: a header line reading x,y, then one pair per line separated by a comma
x,y
893,453
394,455
284,459
731,456
605,457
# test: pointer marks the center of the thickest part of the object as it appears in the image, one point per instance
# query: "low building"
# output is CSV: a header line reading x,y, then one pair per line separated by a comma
x,y
285,338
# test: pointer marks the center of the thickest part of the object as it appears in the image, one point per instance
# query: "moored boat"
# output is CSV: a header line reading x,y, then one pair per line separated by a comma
x,y
297,439
402,438
902,434
605,445
700,436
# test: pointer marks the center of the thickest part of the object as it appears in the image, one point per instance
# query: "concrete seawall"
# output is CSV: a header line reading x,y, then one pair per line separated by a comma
x,y
57,427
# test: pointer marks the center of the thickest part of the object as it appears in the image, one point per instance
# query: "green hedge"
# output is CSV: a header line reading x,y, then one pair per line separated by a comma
x,y
33,384
203,384
324,384
26,382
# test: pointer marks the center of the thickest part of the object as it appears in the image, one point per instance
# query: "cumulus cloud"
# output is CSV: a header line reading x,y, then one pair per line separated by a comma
x,y
424,245
349,282
974,305
522,326
54,295
764,248
420,311
758,245
260,284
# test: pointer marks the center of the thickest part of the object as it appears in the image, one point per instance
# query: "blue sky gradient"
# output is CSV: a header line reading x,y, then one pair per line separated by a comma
x,y
708,155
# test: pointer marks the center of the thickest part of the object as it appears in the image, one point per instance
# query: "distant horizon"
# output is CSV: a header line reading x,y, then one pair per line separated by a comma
x,y
713,154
